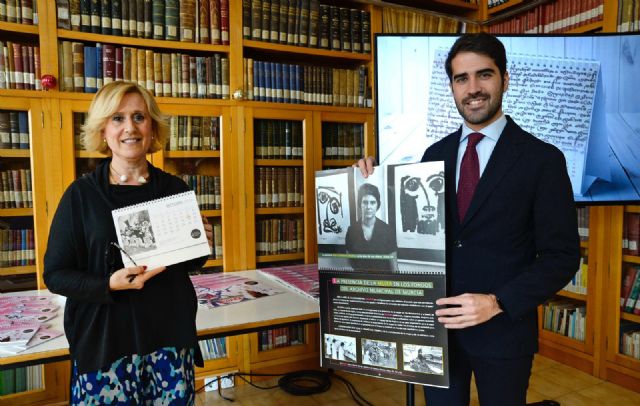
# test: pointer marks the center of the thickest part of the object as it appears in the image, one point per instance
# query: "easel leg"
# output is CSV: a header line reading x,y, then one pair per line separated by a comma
x,y
410,395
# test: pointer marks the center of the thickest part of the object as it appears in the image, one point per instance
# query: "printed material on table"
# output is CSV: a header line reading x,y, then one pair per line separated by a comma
x,y
221,289
21,319
301,278
161,232
381,264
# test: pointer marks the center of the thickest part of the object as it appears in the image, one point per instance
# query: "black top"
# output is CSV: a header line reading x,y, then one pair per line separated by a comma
x,y
383,241
102,325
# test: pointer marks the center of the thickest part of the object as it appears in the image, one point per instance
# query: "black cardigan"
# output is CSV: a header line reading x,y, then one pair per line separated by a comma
x,y
102,325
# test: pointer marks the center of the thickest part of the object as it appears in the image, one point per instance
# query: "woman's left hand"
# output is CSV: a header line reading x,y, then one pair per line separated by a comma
x,y
208,230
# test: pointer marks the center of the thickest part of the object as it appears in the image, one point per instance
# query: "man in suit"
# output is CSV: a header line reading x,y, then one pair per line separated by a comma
x,y
511,230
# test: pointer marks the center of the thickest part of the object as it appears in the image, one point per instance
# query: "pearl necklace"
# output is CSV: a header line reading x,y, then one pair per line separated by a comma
x,y
124,178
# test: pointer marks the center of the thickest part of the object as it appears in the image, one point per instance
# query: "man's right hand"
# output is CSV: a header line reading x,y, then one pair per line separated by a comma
x,y
366,165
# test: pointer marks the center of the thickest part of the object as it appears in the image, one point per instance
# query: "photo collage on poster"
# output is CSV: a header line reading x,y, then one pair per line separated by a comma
x,y
381,262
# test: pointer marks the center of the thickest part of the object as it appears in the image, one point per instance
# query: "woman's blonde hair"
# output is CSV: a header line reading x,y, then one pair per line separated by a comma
x,y
105,104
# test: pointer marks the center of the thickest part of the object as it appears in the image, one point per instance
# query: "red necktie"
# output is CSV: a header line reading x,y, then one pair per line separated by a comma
x,y
469,174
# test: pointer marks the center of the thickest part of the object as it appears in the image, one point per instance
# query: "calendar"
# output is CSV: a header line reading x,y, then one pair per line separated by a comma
x,y
161,232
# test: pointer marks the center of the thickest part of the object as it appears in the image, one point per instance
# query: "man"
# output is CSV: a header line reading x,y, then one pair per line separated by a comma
x,y
511,232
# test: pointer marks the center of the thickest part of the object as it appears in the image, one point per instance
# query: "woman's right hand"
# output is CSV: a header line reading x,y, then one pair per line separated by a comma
x,y
366,165
132,278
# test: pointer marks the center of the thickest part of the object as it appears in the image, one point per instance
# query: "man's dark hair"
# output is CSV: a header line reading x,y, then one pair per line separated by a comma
x,y
479,43
368,189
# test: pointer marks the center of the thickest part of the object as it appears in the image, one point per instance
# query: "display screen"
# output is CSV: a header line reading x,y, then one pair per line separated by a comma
x,y
578,92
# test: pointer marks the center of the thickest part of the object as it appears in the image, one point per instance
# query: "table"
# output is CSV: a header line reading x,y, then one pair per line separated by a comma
x,y
278,310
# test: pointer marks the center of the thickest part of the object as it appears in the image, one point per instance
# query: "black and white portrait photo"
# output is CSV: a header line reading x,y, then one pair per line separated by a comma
x,y
136,233
379,353
422,358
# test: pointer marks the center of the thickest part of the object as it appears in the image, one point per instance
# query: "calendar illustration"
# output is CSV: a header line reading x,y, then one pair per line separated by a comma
x,y
161,232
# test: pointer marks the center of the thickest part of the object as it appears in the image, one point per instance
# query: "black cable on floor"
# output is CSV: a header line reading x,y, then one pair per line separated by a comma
x,y
298,383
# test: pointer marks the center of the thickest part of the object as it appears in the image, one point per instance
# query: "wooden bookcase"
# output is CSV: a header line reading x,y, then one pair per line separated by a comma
x,y
616,366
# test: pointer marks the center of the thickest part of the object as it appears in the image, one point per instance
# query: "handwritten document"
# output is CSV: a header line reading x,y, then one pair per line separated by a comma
x,y
552,98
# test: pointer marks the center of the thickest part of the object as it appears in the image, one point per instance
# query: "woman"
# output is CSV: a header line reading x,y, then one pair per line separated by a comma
x,y
131,331
370,235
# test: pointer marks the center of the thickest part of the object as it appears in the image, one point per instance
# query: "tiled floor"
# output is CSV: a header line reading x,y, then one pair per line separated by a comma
x,y
550,380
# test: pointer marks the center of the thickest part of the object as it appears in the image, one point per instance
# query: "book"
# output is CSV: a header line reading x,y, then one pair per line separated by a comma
x,y
161,232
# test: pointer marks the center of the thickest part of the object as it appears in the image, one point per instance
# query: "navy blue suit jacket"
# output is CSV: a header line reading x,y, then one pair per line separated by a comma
x,y
519,239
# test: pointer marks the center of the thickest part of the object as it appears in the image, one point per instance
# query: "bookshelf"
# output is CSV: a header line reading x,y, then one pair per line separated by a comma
x,y
622,366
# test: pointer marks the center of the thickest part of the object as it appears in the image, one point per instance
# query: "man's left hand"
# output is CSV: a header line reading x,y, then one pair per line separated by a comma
x,y
469,309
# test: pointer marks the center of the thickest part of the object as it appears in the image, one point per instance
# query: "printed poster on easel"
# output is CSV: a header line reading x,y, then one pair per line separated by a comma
x,y
381,263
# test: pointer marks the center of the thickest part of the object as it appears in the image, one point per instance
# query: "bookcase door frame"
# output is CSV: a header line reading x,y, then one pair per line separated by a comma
x,y
248,174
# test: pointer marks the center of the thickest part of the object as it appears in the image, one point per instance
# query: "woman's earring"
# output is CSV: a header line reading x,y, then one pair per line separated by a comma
x,y
104,140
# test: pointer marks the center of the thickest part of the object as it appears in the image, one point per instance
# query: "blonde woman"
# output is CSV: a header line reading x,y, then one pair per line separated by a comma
x,y
131,331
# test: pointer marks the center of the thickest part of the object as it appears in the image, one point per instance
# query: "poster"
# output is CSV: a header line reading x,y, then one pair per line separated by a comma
x,y
381,261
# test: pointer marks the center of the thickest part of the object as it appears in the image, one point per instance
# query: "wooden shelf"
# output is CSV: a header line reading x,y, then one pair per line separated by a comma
x,y
572,295
561,339
280,257
306,51
15,153
140,42
213,262
17,212
18,270
279,210
632,209
87,154
341,163
634,259
444,6
211,213
278,162
21,28
631,317
192,154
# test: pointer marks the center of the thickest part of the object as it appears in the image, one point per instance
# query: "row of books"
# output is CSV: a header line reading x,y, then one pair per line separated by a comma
x,y
279,186
85,68
583,223
579,282
216,251
17,248
628,15
631,234
406,21
201,21
307,23
279,236
278,139
14,129
553,17
21,379
19,11
494,3
15,189
630,289
342,141
19,66
630,339
213,348
207,188
193,133
565,317
281,337
277,82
